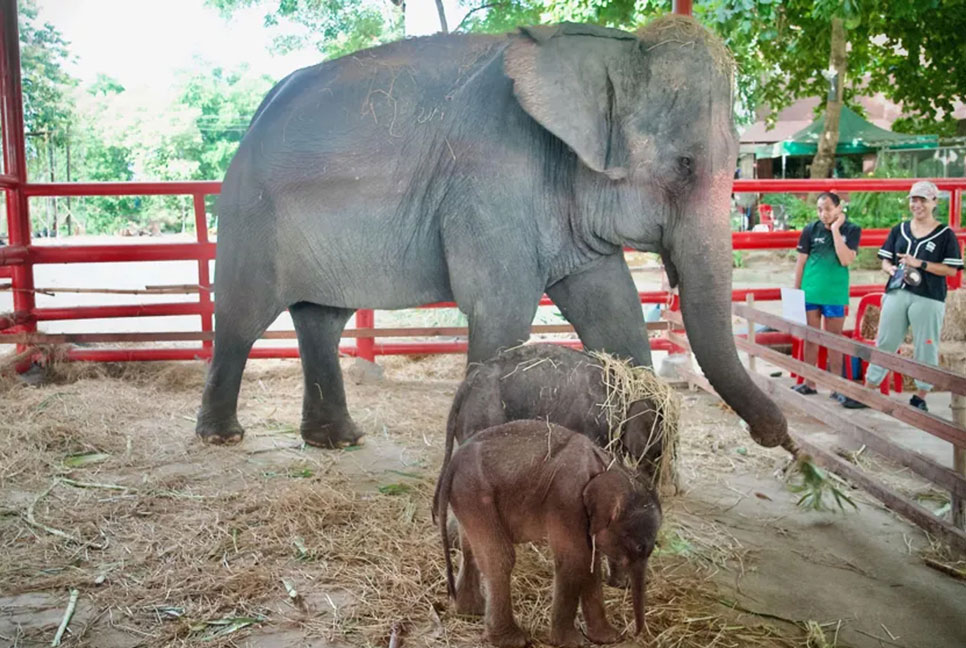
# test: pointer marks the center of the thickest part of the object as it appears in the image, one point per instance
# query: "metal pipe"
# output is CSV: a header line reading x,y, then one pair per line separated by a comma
x,y
681,7
14,159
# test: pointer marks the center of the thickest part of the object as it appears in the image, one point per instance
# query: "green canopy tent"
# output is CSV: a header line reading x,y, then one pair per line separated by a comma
x,y
856,136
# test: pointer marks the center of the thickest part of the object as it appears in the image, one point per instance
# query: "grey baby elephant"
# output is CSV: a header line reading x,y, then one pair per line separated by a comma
x,y
564,386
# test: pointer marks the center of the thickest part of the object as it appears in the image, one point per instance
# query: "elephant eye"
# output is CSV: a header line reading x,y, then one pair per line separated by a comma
x,y
686,164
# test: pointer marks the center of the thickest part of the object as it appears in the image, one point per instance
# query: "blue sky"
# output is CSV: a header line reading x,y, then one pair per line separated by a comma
x,y
145,42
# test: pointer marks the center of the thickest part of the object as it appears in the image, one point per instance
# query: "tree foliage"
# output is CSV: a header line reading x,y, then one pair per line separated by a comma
x,y
46,85
333,27
913,52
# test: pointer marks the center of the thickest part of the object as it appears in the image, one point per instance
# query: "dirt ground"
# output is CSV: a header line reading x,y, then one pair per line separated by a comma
x,y
104,490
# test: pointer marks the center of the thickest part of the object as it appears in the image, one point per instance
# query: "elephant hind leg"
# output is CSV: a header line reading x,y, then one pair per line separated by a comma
x,y
239,322
469,596
494,555
325,416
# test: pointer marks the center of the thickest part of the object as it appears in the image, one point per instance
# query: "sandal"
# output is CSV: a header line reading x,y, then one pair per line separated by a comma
x,y
804,390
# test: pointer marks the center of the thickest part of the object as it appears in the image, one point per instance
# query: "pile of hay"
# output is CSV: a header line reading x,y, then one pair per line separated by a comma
x,y
952,350
626,384
954,321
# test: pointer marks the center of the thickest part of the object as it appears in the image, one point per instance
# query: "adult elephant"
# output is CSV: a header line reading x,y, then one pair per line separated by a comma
x,y
485,170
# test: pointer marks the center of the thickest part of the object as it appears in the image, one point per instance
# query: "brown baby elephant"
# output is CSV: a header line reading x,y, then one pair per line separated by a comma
x,y
527,481
564,386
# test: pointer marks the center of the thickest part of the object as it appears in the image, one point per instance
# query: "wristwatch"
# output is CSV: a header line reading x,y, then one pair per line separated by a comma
x,y
922,266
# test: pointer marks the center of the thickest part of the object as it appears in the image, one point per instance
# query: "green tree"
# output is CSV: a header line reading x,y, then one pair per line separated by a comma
x,y
46,104
225,102
333,27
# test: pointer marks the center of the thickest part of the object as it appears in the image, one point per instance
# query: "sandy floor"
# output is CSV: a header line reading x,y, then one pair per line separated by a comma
x,y
203,543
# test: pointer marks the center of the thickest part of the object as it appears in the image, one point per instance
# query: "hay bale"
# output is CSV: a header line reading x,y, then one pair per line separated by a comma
x,y
954,322
952,356
869,326
627,384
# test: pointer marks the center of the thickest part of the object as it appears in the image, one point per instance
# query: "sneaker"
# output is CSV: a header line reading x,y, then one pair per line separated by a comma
x,y
804,390
837,396
915,401
851,403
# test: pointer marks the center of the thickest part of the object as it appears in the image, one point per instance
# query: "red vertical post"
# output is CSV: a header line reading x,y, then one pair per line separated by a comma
x,y
204,281
366,346
14,162
682,7
955,222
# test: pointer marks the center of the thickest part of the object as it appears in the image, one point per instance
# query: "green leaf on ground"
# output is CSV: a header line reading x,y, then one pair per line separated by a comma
x,y
395,489
80,459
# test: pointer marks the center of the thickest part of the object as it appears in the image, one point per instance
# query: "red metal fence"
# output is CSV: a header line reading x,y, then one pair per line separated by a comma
x,y
18,259
21,257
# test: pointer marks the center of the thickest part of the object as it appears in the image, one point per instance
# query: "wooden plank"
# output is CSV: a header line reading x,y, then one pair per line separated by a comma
x,y
841,422
901,505
958,407
941,379
907,413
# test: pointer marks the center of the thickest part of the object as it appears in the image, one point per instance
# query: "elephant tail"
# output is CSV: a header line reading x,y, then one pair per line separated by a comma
x,y
450,441
441,516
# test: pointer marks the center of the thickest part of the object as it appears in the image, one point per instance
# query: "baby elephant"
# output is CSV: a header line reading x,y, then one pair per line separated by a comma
x,y
568,387
524,481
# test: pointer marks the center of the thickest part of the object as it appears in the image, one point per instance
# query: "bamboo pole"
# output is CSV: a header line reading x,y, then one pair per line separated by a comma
x,y
752,361
958,407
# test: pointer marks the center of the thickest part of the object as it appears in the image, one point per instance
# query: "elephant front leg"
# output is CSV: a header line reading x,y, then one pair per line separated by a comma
x,y
572,558
604,307
599,630
325,417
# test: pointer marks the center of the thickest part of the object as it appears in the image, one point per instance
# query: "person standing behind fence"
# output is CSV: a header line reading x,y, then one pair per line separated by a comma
x,y
925,245
825,249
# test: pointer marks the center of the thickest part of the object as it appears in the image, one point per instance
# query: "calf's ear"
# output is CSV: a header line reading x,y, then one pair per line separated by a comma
x,y
564,77
603,500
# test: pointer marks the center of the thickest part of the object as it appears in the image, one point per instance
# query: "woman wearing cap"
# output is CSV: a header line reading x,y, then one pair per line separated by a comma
x,y
825,249
918,255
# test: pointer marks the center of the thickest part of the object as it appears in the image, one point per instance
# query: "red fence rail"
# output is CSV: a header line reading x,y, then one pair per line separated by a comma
x,y
18,260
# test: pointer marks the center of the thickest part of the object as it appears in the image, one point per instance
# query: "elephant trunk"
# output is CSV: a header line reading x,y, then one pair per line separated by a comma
x,y
705,289
638,593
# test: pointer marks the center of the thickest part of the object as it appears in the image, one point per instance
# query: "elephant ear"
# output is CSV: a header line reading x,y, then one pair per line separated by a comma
x,y
561,78
604,498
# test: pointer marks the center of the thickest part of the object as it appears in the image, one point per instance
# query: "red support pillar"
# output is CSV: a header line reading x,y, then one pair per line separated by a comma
x,y
366,346
682,7
955,222
14,161
204,282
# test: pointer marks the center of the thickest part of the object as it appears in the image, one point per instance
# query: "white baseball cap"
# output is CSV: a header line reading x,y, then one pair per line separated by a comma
x,y
924,189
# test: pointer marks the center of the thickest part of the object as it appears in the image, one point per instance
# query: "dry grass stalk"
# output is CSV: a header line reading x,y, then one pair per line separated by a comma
x,y
627,384
205,542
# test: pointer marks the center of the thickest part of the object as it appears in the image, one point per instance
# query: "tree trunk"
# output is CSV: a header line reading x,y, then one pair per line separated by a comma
x,y
824,162
442,17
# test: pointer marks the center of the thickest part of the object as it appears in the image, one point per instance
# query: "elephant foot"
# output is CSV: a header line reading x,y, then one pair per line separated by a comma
x,y
603,634
568,637
331,434
509,637
218,433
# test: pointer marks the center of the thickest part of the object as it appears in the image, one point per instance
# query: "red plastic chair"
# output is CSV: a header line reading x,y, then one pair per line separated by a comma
x,y
798,353
872,299
766,216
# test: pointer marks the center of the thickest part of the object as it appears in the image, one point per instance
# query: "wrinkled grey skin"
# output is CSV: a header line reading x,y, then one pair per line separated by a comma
x,y
556,384
529,481
485,170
